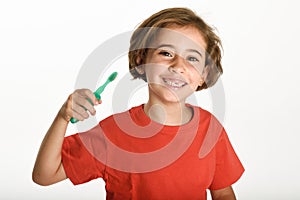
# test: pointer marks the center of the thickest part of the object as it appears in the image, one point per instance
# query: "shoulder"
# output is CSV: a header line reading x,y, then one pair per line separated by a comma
x,y
210,128
111,120
206,116
120,118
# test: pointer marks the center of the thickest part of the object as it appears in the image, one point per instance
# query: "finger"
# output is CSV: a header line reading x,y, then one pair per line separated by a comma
x,y
98,102
77,116
89,94
80,97
79,109
68,112
85,103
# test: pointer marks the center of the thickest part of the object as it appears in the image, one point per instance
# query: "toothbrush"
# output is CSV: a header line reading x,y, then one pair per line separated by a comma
x,y
99,91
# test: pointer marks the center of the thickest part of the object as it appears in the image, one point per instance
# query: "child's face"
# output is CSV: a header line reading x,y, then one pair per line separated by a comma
x,y
175,63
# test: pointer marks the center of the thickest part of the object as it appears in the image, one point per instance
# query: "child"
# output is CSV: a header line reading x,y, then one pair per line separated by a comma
x,y
163,149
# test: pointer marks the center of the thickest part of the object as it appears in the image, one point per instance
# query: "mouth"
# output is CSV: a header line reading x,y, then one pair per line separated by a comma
x,y
174,83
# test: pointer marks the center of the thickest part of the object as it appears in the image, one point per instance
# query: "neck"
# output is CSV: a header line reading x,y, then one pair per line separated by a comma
x,y
173,114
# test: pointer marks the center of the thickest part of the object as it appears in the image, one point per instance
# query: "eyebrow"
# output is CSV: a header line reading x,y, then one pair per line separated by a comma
x,y
195,51
173,47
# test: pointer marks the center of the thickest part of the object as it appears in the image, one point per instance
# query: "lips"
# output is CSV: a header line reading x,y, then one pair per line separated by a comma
x,y
174,82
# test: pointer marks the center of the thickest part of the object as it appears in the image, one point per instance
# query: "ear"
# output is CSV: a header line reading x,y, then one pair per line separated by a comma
x,y
138,60
205,72
204,75
140,69
201,82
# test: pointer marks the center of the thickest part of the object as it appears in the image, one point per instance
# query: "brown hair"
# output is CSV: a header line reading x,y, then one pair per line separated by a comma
x,y
143,35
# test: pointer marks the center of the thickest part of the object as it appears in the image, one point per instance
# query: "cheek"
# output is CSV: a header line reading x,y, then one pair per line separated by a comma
x,y
153,71
197,69
196,79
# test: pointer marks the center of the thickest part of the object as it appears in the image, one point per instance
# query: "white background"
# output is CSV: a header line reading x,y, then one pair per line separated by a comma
x,y
44,44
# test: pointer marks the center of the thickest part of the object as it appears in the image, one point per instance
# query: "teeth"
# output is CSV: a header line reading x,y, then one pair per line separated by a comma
x,y
174,83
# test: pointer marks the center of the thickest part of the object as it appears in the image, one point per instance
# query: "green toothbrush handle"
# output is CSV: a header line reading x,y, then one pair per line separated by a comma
x,y
73,120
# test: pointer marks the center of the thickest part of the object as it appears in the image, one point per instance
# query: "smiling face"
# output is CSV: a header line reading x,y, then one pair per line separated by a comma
x,y
175,63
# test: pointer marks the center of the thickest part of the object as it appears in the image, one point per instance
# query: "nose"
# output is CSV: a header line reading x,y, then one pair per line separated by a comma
x,y
178,65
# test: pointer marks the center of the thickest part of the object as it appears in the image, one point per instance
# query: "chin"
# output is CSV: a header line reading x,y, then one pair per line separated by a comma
x,y
166,94
172,97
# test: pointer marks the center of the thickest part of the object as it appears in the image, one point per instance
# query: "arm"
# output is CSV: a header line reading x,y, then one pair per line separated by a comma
x,y
223,194
48,168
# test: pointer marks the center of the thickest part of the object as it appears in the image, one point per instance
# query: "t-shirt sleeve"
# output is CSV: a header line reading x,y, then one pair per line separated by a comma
x,y
228,166
84,156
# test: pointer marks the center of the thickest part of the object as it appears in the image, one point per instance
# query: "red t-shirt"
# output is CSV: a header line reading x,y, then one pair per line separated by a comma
x,y
141,159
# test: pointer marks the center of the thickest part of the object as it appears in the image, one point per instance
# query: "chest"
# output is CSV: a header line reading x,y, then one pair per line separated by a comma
x,y
187,177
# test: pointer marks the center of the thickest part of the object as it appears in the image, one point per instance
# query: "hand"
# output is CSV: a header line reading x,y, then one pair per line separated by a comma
x,y
78,104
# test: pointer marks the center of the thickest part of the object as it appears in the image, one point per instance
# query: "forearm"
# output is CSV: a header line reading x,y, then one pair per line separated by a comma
x,y
47,169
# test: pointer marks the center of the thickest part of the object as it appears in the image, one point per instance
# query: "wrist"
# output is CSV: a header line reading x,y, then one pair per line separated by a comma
x,y
62,116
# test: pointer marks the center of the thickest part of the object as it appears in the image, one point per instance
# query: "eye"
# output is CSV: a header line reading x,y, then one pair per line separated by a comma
x,y
192,59
165,53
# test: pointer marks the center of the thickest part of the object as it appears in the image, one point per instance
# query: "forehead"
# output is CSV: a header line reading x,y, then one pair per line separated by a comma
x,y
180,37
